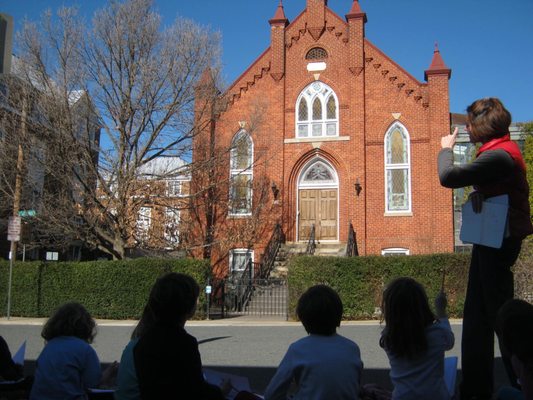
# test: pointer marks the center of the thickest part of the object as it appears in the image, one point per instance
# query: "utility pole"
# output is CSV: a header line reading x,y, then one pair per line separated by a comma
x,y
18,192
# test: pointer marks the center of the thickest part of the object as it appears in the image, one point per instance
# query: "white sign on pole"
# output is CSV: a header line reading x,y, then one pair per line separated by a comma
x,y
13,229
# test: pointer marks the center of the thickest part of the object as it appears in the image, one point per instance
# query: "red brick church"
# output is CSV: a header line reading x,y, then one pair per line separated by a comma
x,y
325,130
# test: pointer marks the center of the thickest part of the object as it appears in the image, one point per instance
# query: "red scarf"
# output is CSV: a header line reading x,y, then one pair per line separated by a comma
x,y
505,143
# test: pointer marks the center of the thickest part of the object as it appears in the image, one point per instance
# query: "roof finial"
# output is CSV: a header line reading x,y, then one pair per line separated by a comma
x,y
437,64
356,11
279,16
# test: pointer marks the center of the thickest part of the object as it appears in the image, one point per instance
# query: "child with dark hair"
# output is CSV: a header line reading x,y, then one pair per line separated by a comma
x,y
415,341
514,325
8,369
68,365
162,360
323,365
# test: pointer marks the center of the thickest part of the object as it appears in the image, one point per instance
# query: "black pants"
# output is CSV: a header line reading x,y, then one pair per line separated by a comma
x,y
490,284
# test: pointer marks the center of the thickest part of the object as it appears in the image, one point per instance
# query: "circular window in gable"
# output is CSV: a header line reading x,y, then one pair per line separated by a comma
x,y
316,53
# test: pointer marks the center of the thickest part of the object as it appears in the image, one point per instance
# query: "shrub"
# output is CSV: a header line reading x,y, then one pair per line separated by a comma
x,y
360,280
108,289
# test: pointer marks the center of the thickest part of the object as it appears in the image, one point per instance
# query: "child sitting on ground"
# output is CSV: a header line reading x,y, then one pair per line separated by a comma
x,y
415,341
323,365
162,361
68,366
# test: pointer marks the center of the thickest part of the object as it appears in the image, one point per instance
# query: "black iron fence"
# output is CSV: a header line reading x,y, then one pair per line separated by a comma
x,y
253,296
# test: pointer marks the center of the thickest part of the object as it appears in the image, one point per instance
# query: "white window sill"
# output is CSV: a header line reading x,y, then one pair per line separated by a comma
x,y
239,215
317,139
398,214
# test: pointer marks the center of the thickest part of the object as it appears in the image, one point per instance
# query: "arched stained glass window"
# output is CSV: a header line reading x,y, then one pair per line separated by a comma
x,y
324,111
318,173
397,170
317,110
241,174
302,110
332,108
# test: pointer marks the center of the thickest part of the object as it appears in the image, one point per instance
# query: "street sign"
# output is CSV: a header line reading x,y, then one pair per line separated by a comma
x,y
13,229
27,213
208,289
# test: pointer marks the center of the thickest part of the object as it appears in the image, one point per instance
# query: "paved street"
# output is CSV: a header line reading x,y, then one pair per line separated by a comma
x,y
243,346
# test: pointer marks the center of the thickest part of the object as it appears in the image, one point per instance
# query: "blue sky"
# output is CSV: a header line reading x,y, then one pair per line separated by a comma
x,y
488,44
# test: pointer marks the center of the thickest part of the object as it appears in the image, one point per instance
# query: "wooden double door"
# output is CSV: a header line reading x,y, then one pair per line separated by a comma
x,y
318,207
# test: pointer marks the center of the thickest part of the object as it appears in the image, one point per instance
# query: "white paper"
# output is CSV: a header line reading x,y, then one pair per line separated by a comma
x,y
18,357
488,227
238,383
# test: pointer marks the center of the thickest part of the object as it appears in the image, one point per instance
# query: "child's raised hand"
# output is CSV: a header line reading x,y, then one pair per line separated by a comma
x,y
441,302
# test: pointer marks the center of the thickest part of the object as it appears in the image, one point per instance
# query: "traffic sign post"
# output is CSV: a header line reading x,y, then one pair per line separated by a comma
x,y
13,229
208,296
13,235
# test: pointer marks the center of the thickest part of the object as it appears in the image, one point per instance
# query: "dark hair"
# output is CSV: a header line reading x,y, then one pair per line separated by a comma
x,y
71,319
514,325
172,301
406,312
487,119
320,310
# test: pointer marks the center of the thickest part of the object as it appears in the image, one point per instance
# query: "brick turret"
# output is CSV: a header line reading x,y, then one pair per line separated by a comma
x,y
356,36
437,76
277,43
316,17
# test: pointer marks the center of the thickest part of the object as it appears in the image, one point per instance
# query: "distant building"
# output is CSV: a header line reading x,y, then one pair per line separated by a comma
x,y
157,212
163,187
23,123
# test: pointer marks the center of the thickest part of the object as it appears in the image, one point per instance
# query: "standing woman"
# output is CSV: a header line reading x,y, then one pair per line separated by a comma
x,y
498,169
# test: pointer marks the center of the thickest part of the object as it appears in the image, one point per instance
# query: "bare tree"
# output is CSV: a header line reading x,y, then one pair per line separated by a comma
x,y
129,78
211,234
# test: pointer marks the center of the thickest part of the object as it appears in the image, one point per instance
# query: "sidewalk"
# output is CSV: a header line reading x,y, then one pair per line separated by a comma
x,y
242,320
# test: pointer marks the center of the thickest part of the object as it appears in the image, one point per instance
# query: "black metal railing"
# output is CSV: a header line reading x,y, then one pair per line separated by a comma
x,y
311,243
351,246
239,286
271,251
270,298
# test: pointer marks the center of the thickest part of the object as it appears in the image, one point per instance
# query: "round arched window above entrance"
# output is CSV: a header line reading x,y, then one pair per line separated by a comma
x,y
318,173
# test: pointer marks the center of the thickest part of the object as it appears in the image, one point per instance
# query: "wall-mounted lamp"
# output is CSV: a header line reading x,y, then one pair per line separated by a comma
x,y
358,187
275,190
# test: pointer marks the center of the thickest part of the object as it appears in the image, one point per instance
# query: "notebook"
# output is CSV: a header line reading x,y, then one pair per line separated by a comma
x,y
489,227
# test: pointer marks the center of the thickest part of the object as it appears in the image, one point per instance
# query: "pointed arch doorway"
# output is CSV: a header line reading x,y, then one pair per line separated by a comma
x,y
318,199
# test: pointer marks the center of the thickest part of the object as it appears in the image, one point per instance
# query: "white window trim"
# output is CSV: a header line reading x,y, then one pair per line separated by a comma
x,y
395,251
236,172
310,97
176,216
171,192
143,223
404,166
232,252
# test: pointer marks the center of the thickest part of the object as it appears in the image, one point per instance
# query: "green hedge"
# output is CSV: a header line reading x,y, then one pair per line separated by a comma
x,y
360,280
108,289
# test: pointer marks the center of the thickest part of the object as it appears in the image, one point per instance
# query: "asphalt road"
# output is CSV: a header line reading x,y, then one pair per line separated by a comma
x,y
242,346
